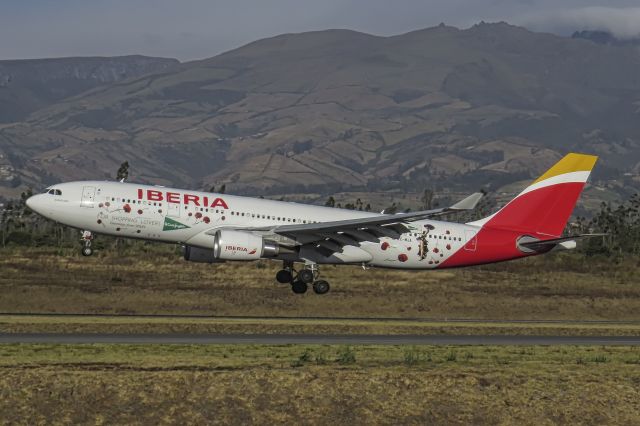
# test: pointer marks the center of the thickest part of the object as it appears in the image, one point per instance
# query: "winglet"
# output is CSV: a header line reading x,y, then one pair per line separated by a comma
x,y
468,203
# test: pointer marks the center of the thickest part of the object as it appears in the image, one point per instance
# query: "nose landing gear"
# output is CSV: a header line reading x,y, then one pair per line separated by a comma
x,y
300,281
86,239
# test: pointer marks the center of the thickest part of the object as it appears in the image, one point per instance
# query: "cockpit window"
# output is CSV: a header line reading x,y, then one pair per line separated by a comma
x,y
58,192
51,191
54,192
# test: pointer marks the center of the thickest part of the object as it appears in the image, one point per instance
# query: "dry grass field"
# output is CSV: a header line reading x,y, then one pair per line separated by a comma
x,y
166,324
244,384
314,384
155,280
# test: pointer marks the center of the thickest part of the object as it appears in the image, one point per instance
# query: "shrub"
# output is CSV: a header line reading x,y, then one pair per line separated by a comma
x,y
346,356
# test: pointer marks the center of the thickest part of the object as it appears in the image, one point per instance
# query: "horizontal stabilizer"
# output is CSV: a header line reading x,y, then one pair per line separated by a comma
x,y
546,245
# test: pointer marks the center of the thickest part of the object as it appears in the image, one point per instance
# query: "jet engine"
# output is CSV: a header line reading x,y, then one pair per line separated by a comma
x,y
240,245
196,254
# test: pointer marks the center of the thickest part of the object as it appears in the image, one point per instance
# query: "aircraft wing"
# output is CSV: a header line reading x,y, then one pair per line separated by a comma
x,y
330,237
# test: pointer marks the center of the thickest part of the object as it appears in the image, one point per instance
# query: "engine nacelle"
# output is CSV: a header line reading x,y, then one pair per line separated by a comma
x,y
196,254
240,245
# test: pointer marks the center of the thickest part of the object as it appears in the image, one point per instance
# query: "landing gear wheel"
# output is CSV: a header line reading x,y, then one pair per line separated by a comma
x,y
87,236
321,287
299,287
284,276
306,276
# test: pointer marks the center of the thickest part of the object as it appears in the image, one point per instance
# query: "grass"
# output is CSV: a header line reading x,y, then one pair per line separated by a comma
x,y
130,324
240,384
326,384
157,280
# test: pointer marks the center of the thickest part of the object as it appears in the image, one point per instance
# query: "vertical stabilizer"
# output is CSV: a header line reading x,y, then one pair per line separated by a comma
x,y
545,206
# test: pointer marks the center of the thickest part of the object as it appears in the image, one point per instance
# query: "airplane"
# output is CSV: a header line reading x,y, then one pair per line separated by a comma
x,y
215,228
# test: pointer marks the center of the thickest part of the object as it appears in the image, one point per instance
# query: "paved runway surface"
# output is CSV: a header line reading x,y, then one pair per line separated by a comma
x,y
309,339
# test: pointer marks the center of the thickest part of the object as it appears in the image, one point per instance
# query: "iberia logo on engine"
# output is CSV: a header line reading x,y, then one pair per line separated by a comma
x,y
177,198
240,249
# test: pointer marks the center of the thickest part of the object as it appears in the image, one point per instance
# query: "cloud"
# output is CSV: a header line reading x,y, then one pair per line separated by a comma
x,y
622,22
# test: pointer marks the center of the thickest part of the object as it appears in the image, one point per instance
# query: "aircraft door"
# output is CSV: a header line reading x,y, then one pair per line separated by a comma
x,y
88,196
173,209
472,240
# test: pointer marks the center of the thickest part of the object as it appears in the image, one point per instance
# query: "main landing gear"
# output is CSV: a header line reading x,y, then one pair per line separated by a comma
x,y
300,281
87,237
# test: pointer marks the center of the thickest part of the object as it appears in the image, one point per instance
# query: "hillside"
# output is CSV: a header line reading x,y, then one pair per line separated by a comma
x,y
337,109
29,85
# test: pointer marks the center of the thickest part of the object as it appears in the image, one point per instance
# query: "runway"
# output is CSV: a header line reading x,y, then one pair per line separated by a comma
x,y
314,339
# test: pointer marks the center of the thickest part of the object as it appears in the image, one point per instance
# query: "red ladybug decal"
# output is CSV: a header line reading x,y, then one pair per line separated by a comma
x,y
198,215
127,208
206,219
384,245
403,257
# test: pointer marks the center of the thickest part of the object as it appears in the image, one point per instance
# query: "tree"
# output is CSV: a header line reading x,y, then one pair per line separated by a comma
x,y
427,199
223,188
123,171
392,209
331,202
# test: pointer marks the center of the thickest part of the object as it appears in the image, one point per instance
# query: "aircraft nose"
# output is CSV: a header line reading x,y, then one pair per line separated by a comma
x,y
35,203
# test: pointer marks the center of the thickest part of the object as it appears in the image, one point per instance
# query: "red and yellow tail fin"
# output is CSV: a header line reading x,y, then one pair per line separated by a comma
x,y
544,206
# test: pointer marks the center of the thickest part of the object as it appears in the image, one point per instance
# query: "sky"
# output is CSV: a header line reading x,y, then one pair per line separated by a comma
x,y
195,29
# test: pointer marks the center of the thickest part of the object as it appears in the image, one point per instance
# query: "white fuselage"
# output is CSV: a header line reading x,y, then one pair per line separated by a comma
x,y
191,218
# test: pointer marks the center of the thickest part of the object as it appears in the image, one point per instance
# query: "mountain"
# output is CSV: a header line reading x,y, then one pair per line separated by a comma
x,y
31,84
338,110
605,37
